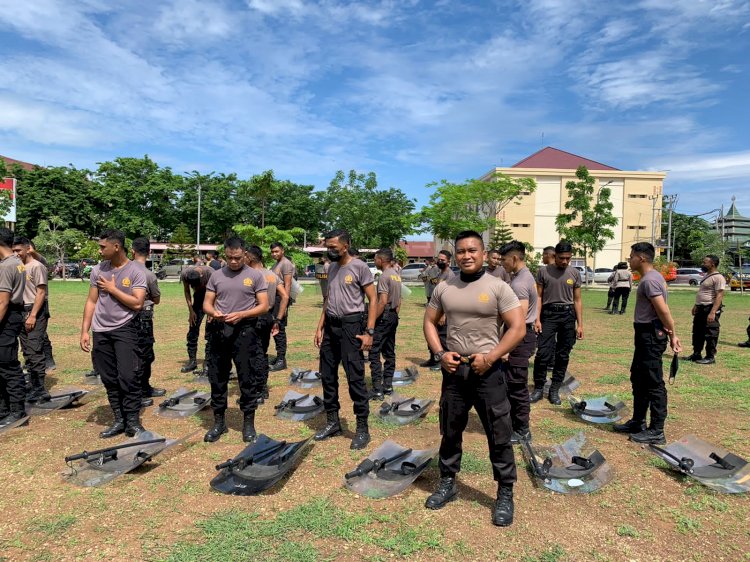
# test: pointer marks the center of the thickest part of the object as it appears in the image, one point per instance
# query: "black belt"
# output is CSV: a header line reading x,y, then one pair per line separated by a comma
x,y
704,305
557,307
28,307
346,319
12,307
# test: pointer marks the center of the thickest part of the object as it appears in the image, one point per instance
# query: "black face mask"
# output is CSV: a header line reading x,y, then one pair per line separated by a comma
x,y
333,255
471,277
442,265
704,269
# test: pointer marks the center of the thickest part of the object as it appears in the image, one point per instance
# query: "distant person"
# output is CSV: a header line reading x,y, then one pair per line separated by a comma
x,y
622,280
611,284
445,274
707,311
427,274
213,260
285,269
746,343
195,278
548,255
384,341
494,265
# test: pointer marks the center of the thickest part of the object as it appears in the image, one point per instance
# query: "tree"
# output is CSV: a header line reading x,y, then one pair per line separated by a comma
x,y
264,237
294,206
472,205
585,226
689,233
220,205
57,240
500,236
181,243
711,244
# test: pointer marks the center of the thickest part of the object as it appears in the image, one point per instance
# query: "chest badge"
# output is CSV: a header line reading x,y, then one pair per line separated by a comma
x,y
126,282
484,297
570,281
348,279
20,268
247,282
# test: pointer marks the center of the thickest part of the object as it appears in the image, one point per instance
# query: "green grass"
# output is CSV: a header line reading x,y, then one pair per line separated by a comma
x,y
53,525
627,531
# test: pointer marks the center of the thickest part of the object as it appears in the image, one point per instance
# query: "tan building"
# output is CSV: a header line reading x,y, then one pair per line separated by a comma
x,y
636,196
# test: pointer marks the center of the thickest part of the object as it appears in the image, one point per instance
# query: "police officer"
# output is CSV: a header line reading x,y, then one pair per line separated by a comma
x,y
285,270
268,324
548,255
321,274
141,249
706,312
472,369
445,273
746,343
194,277
236,297
49,357
35,319
12,284
384,340
495,267
213,259
523,285
622,282
429,273
343,335
653,326
559,290
117,292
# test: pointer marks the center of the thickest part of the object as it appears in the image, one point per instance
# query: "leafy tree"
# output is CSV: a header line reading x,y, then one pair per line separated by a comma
x,y
501,235
711,243
585,226
181,243
401,256
472,205
264,237
54,239
88,249
689,233
220,205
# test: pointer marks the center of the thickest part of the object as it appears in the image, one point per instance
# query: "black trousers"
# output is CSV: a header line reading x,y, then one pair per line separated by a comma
x,y
384,343
146,348
194,331
624,294
265,324
12,383
116,358
555,343
32,346
705,332
517,379
280,338
488,395
341,346
610,297
239,344
647,376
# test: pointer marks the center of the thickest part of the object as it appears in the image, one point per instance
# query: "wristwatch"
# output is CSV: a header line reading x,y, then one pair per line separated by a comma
x,y
438,357
371,331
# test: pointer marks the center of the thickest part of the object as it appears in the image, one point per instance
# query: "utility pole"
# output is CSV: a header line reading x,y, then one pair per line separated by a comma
x,y
198,240
654,198
671,202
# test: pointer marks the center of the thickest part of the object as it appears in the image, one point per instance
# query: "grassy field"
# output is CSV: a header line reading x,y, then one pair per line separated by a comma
x,y
166,510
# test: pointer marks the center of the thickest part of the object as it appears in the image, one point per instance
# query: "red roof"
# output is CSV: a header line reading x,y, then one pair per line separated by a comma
x,y
557,159
418,249
10,161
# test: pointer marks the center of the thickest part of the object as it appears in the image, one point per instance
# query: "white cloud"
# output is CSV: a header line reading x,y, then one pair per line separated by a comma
x,y
708,167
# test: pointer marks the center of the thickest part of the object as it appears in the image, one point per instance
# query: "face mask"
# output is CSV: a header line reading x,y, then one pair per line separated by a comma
x,y
442,265
333,255
704,269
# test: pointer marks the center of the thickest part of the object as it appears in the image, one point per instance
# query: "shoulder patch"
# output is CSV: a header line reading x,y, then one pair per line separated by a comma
x,y
126,282
247,282
570,282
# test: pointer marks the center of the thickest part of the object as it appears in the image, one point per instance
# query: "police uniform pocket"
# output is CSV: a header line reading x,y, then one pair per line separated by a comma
x,y
498,417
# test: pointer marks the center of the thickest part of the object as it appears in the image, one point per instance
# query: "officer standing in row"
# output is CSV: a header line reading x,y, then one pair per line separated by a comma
x,y
141,249
384,340
622,281
321,274
285,269
523,285
474,305
213,260
268,324
48,355
116,295
236,297
35,319
343,335
560,321
194,277
653,327
548,255
706,312
12,283
495,267
429,273
445,274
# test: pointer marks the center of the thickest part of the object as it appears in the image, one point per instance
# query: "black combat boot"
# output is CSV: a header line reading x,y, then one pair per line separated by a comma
x,y
388,389
520,435
554,394
38,392
190,366
17,412
4,410
502,515
649,436
266,392
537,395
332,428
279,365
133,424
153,392
117,427
219,429
248,428
362,435
630,426
447,491
377,393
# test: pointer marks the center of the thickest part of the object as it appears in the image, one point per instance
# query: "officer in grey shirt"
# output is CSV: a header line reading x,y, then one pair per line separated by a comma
x,y
12,284
285,269
494,265
384,341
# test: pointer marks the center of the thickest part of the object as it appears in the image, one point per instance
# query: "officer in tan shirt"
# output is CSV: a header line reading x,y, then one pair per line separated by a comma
x,y
475,305
706,312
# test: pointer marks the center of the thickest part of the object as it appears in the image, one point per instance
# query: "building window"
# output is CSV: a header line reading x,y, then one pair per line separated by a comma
x,y
631,227
519,225
637,195
524,192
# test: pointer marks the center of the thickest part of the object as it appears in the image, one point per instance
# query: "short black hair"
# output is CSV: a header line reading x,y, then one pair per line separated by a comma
x,y
385,253
234,242
622,265
549,249
256,253
6,237
646,249
494,251
353,252
276,245
714,259
141,246
563,247
21,241
446,253
193,277
468,234
213,253
113,235
339,233
514,246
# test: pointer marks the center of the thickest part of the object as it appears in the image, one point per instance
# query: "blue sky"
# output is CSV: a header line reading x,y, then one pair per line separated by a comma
x,y
415,91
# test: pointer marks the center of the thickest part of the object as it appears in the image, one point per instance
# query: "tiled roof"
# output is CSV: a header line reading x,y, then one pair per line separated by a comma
x,y
10,161
554,158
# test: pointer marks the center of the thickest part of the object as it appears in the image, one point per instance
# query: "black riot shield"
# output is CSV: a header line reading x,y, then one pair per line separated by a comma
x,y
389,470
711,465
597,410
94,468
183,403
570,468
400,411
60,399
299,407
407,376
305,379
259,466
8,426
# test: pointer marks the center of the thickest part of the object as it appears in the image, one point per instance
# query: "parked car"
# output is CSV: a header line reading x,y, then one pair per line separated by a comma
x,y
736,277
173,268
373,269
688,276
72,270
601,274
411,271
587,275
310,270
